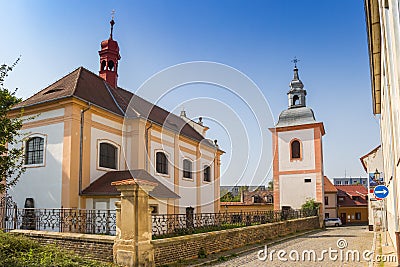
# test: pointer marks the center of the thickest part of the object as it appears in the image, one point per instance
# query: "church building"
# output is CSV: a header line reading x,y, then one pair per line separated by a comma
x,y
88,132
298,173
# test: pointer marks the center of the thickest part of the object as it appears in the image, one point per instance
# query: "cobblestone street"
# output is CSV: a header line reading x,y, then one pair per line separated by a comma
x,y
343,240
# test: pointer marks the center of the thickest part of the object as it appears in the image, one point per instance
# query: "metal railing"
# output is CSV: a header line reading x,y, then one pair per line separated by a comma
x,y
104,221
61,220
180,224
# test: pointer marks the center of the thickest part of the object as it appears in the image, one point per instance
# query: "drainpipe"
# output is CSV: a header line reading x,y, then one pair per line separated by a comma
x,y
136,230
147,145
81,147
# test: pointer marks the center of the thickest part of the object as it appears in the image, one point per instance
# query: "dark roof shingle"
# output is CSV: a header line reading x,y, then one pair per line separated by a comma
x,y
102,186
85,85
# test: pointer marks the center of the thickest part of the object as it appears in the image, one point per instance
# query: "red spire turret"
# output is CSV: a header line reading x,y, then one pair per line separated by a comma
x,y
109,56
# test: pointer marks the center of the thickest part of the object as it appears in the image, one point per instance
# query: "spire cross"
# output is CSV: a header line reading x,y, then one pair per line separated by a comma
x,y
295,60
112,23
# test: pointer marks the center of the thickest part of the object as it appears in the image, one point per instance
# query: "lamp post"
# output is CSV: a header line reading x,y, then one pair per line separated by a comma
x,y
377,176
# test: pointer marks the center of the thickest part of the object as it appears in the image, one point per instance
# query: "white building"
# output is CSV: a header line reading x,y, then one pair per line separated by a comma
x,y
373,165
89,132
297,150
383,28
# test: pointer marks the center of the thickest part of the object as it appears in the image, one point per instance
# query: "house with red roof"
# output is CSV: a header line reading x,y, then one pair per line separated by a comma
x,y
352,201
330,199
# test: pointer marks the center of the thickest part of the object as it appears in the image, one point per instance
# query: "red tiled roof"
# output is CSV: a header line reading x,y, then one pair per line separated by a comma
x,y
354,195
102,186
87,86
328,186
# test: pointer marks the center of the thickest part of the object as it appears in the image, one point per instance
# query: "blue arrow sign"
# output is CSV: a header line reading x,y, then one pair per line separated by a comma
x,y
381,191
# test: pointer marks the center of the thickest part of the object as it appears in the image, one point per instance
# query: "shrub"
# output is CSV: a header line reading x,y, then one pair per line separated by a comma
x,y
20,251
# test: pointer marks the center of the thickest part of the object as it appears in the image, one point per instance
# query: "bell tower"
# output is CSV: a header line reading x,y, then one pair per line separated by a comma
x,y
297,151
109,56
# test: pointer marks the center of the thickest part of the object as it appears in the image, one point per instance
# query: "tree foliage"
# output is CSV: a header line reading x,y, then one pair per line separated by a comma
x,y
310,206
11,152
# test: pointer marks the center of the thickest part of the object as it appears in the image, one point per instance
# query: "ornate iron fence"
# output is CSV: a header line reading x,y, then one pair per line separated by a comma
x,y
181,224
61,220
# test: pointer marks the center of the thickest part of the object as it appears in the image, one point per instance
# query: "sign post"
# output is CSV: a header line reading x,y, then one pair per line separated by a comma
x,y
381,192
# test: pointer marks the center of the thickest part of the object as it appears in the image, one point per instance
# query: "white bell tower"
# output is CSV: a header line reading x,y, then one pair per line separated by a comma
x,y
298,173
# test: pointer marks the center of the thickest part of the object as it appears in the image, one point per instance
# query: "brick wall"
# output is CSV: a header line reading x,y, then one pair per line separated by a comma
x,y
96,247
171,250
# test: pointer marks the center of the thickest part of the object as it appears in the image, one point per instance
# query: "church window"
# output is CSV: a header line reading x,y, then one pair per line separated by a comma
x,y
103,65
108,156
295,100
187,169
295,149
207,174
161,163
34,151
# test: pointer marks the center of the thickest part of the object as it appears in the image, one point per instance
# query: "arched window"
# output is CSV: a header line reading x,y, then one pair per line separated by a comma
x,y
161,163
108,156
295,149
295,100
257,199
207,174
103,65
34,151
111,65
187,168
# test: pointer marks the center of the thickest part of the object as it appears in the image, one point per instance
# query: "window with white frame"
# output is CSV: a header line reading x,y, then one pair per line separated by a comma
x,y
108,156
161,163
35,150
187,169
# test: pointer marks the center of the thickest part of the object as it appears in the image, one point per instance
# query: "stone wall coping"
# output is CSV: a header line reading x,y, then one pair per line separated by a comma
x,y
67,236
166,241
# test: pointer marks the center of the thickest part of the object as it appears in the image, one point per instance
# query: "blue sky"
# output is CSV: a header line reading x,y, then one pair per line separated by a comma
x,y
258,38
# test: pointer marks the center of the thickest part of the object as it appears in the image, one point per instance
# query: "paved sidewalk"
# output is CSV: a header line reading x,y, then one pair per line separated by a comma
x,y
340,241
386,251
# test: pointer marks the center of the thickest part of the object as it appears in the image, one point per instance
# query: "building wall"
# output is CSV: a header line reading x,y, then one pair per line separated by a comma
x,y
331,208
351,211
384,40
307,161
295,190
62,128
289,174
170,250
98,136
43,183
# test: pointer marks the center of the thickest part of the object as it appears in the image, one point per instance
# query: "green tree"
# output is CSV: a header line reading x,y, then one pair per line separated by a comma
x,y
227,197
11,152
310,207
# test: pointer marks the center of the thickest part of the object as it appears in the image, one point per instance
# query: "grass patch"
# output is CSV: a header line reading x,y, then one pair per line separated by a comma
x,y
20,251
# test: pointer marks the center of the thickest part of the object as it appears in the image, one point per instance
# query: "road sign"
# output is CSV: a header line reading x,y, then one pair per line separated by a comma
x,y
381,191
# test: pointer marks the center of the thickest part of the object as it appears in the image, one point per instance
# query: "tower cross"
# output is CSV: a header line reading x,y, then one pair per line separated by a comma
x,y
112,23
295,60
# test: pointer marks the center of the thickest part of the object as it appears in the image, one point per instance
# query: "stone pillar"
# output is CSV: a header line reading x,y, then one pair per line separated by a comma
x,y
132,246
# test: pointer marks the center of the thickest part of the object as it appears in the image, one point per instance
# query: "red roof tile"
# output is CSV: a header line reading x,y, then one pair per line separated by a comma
x,y
328,186
354,195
